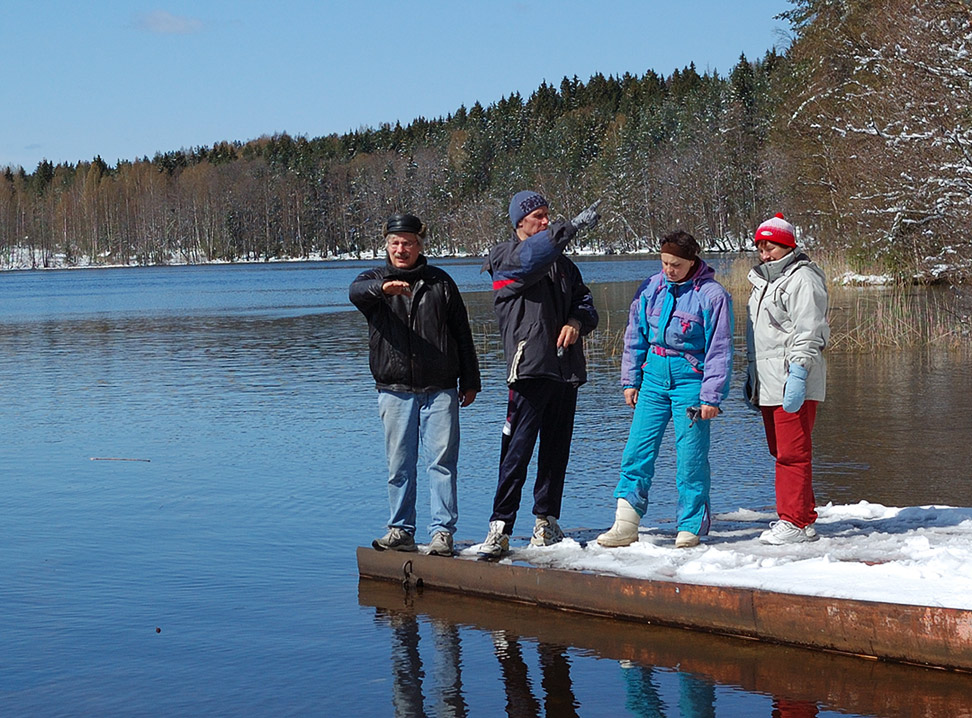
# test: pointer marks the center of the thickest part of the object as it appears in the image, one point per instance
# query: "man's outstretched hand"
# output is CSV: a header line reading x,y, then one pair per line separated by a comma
x,y
586,219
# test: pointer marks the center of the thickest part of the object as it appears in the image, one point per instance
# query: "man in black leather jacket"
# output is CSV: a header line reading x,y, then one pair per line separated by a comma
x,y
421,350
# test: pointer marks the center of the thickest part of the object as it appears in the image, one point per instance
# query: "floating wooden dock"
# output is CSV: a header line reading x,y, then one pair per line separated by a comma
x,y
921,635
831,680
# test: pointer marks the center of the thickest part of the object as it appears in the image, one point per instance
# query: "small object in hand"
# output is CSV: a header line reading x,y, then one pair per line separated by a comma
x,y
588,218
694,413
560,352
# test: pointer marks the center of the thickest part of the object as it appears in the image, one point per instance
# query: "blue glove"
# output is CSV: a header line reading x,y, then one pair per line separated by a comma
x,y
586,219
795,390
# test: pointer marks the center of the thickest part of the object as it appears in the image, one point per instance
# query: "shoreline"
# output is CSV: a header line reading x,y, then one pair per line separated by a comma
x,y
845,278
61,263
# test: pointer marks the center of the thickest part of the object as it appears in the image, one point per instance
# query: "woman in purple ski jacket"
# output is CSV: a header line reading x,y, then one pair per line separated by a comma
x,y
676,367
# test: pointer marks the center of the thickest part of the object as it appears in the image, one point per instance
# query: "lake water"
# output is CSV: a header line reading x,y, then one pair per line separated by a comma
x,y
191,455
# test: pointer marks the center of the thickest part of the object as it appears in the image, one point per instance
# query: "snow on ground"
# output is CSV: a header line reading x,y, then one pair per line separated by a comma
x,y
25,258
854,279
918,555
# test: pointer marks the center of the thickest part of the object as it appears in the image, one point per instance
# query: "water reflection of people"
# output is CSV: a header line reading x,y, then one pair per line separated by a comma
x,y
786,332
558,693
450,701
427,678
785,708
676,367
696,694
408,671
421,347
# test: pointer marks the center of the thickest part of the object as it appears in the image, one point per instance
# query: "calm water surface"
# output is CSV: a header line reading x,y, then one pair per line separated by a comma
x,y
190,456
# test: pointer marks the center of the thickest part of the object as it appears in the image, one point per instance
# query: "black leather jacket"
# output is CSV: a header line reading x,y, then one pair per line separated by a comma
x,y
418,343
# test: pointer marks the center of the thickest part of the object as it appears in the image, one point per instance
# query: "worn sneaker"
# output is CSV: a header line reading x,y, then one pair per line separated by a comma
x,y
441,544
811,533
497,543
395,540
546,532
686,539
783,532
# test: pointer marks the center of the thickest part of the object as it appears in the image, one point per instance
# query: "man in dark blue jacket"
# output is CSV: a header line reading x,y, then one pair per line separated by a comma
x,y
544,309
421,347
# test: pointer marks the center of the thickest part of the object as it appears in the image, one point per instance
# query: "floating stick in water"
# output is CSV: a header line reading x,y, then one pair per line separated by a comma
x,y
111,458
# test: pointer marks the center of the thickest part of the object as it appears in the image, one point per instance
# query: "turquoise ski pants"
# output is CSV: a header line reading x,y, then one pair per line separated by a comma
x,y
669,386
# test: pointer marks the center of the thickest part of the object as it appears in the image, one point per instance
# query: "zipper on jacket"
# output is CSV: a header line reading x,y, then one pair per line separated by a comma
x,y
515,364
413,302
754,399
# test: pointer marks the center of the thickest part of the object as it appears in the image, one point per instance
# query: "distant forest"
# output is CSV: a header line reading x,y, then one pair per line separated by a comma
x,y
860,131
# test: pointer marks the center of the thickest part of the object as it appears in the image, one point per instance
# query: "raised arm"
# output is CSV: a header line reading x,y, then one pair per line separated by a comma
x,y
516,266
366,290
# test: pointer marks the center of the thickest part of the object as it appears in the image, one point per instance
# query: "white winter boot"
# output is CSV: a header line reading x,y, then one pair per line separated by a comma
x,y
686,539
625,529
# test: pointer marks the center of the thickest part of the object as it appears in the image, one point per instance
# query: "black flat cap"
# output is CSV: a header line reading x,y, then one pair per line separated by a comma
x,y
398,223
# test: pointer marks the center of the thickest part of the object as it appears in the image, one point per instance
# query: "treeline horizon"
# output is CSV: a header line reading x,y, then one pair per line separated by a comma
x,y
860,132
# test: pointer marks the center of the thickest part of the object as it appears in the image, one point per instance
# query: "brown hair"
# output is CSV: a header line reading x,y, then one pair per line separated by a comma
x,y
681,244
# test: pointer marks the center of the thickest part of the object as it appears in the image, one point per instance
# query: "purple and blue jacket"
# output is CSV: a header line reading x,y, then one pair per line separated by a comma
x,y
692,319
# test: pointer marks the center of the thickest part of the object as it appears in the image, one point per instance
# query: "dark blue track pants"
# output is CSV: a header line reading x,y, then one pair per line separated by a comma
x,y
541,408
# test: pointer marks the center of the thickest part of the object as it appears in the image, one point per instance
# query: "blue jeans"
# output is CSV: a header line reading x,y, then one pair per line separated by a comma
x,y
433,419
669,386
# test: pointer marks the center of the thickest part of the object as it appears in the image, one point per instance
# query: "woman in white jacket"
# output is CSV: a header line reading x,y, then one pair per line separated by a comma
x,y
786,332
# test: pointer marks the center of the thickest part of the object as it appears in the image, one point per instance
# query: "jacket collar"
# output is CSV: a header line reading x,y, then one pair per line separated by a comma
x,y
771,271
700,273
409,275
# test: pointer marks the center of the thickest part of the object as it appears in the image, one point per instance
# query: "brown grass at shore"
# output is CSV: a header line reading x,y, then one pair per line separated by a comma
x,y
863,318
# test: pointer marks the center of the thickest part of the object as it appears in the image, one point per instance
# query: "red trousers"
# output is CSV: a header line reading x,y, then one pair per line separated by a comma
x,y
783,708
788,436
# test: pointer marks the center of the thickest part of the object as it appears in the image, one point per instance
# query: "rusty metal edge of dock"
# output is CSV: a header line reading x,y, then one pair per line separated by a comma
x,y
922,635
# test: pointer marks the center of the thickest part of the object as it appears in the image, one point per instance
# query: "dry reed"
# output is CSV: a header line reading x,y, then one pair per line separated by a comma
x,y
863,318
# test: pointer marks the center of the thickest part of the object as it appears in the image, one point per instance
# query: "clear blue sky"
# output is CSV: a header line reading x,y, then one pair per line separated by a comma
x,y
128,78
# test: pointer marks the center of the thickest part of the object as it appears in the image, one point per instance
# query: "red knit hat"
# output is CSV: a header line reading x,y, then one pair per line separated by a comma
x,y
778,230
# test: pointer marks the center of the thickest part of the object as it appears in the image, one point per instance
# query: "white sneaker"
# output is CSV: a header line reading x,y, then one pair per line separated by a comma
x,y
811,533
686,539
441,544
546,532
624,532
497,543
500,643
783,532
